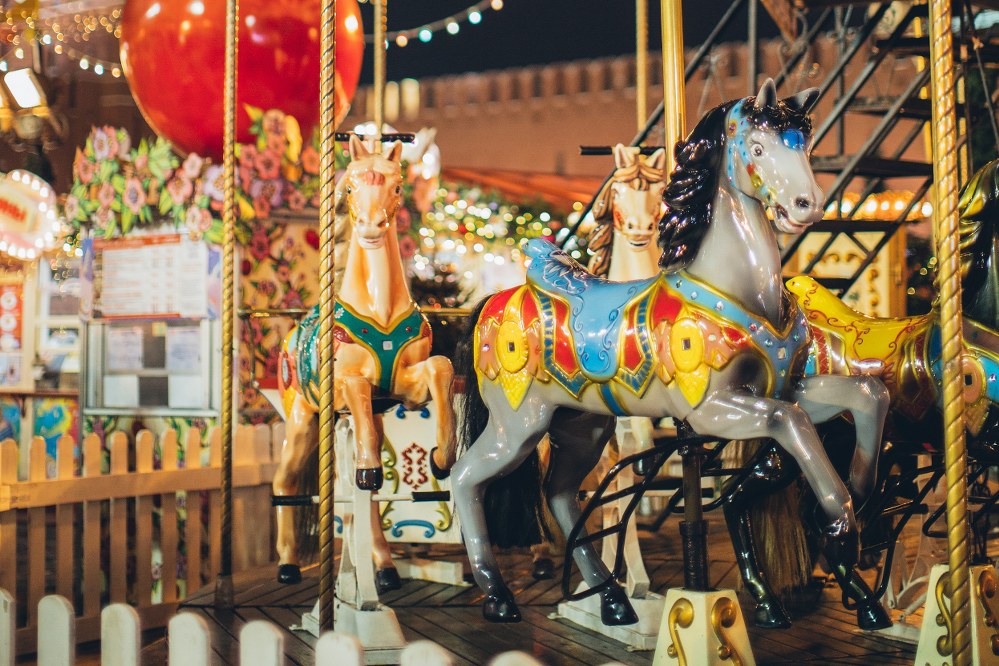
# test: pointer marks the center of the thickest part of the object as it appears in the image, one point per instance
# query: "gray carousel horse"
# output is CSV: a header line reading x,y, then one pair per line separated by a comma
x,y
713,340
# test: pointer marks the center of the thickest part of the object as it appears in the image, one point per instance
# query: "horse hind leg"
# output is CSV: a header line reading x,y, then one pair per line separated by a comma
x,y
495,453
577,440
301,438
386,575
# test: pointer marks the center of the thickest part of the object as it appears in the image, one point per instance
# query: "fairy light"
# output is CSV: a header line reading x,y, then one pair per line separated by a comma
x,y
450,24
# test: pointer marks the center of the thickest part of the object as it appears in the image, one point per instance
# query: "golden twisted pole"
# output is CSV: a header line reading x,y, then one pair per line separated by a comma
x,y
223,586
641,61
380,25
327,455
673,95
944,128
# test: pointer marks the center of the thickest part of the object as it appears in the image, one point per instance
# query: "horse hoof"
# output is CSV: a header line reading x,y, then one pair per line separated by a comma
x,y
387,579
500,608
872,617
289,574
543,569
771,616
439,474
615,609
368,479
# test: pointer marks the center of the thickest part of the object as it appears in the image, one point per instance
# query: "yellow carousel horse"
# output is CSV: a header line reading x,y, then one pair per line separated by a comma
x,y
381,352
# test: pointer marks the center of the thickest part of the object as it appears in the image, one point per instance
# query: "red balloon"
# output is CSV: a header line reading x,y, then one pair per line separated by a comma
x,y
173,54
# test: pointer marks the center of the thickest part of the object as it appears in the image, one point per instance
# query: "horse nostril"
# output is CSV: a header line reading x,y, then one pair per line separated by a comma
x,y
803,202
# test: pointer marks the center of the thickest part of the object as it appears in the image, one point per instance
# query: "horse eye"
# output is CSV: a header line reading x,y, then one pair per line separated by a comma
x,y
757,150
348,189
398,189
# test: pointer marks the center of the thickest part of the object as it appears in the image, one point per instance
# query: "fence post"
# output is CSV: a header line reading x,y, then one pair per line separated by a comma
x,y
515,659
425,653
56,631
119,636
188,641
261,644
8,631
336,649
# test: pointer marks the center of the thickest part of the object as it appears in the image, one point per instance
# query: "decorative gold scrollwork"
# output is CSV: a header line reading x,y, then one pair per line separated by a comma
x,y
723,616
681,616
988,585
945,644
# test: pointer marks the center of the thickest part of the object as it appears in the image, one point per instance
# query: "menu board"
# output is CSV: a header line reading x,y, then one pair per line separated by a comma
x,y
151,276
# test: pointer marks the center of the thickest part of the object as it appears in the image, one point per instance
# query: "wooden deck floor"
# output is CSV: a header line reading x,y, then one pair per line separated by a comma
x,y
451,616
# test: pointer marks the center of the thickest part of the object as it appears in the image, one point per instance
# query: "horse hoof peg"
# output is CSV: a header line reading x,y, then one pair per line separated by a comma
x,y
369,479
872,617
387,579
439,474
289,574
770,616
543,569
500,608
615,609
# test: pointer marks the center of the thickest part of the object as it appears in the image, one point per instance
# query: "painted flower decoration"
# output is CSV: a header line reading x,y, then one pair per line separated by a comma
x,y
102,146
134,195
83,168
180,188
193,166
106,195
310,160
268,164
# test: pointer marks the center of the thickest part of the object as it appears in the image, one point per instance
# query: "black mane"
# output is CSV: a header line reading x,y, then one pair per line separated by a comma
x,y
979,209
692,185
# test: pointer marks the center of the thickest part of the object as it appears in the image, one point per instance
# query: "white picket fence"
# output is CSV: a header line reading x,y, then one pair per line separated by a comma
x,y
101,538
189,641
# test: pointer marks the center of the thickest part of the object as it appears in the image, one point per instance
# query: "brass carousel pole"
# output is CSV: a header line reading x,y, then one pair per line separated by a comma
x,y
674,100
944,142
379,64
641,62
327,456
223,586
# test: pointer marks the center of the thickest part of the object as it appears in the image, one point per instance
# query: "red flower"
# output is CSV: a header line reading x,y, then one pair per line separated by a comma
x,y
312,238
268,165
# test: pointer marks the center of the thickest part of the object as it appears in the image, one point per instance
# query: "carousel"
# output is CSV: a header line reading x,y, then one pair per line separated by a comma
x,y
335,407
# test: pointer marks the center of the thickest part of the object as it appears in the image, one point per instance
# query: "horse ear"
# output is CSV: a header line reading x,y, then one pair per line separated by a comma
x,y
656,160
395,151
622,156
767,95
431,134
803,101
357,148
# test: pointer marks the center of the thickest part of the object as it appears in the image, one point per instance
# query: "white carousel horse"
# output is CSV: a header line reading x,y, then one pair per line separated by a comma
x,y
713,340
381,352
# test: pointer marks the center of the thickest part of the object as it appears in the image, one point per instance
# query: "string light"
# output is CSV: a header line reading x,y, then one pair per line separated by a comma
x,y
451,24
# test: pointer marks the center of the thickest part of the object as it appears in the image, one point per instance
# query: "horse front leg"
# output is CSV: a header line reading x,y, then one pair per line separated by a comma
x,y
386,575
368,461
435,375
300,440
733,415
866,399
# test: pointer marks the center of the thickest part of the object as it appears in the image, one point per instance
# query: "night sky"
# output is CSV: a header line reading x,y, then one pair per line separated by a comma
x,y
527,32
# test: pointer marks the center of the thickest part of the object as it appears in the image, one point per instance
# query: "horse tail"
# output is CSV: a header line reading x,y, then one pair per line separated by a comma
x,y
307,517
513,503
779,532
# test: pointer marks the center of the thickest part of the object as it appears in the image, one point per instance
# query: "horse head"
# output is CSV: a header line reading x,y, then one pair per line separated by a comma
x,y
424,171
769,146
371,192
634,195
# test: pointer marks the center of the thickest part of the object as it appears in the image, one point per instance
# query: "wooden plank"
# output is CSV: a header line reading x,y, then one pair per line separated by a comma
x,y
36,532
192,526
262,643
189,641
296,650
57,643
118,527
8,519
8,628
92,459
143,590
601,649
49,492
168,518
65,517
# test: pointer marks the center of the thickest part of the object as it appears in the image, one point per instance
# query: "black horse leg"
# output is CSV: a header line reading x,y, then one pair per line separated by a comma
x,y
768,474
871,614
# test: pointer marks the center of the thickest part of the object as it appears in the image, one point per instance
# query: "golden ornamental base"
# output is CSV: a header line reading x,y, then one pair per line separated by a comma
x,y
702,629
936,636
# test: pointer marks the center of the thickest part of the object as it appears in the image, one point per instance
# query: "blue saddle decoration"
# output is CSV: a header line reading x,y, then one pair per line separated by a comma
x,y
596,305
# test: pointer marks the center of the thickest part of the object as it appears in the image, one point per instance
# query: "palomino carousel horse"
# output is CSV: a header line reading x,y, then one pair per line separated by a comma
x,y
381,351
713,340
905,355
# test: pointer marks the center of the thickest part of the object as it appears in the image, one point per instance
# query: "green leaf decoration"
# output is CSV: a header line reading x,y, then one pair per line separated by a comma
x,y
127,218
166,202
